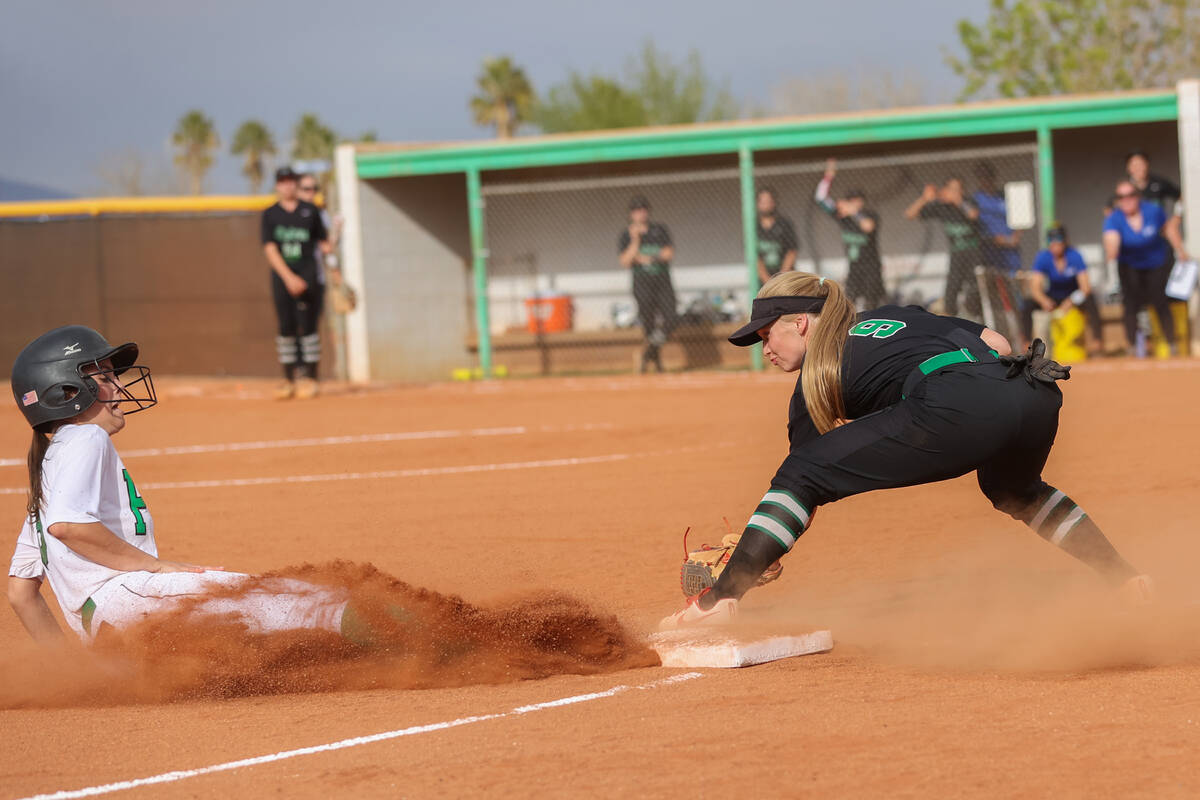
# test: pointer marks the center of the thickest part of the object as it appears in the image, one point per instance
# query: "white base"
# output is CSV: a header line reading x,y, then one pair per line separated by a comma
x,y
720,649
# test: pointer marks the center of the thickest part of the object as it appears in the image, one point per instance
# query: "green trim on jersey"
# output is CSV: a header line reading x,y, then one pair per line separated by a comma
x,y
136,504
87,612
41,536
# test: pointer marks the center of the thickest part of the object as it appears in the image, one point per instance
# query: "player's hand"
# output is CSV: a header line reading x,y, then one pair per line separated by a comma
x,y
295,285
830,167
179,566
929,194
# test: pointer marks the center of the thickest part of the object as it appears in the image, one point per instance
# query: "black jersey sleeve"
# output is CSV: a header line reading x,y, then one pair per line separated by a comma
x,y
968,325
268,228
1166,188
665,234
934,210
789,240
623,241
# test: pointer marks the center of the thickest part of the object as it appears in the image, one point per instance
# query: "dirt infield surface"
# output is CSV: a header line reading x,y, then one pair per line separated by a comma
x,y
972,659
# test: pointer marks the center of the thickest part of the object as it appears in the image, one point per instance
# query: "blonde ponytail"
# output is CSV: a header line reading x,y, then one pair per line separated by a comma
x,y
821,375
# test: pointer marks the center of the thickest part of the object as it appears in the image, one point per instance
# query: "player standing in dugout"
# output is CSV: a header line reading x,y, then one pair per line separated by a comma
x,y
645,249
291,231
777,241
859,227
960,222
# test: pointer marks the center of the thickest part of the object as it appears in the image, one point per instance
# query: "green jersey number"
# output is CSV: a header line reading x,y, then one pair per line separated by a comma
x,y
136,504
290,250
878,328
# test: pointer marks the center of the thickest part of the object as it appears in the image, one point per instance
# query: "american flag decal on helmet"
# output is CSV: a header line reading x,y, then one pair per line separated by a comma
x,y
29,398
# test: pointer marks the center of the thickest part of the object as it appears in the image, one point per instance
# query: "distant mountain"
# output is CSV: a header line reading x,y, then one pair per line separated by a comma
x,y
18,192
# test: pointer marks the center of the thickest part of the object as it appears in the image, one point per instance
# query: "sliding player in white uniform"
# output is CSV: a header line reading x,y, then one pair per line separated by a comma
x,y
89,531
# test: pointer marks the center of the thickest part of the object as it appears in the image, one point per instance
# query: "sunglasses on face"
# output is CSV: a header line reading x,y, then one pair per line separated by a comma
x,y
1127,195
308,188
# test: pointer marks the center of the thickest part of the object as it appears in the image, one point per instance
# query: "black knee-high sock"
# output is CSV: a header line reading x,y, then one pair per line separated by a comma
x,y
755,552
773,529
1058,520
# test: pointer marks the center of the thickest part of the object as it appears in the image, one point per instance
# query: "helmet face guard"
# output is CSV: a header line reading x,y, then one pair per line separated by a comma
x,y
54,377
139,392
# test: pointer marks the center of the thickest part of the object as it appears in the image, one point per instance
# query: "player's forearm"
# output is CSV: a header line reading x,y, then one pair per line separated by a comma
x,y
629,255
1173,235
98,544
1112,245
276,262
789,261
821,195
763,275
24,595
667,254
996,341
915,208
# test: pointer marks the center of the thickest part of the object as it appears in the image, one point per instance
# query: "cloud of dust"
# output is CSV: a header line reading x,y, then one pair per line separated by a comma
x,y
968,612
422,639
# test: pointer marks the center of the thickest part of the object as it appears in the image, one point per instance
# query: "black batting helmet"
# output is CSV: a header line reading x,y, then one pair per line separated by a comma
x,y
48,379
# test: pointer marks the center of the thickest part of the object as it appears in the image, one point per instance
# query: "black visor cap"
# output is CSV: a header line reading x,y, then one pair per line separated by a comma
x,y
768,309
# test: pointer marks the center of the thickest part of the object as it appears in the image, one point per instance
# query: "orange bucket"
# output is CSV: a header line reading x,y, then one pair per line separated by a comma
x,y
549,314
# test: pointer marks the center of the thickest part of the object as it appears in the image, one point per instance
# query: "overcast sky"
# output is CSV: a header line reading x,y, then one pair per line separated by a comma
x,y
83,84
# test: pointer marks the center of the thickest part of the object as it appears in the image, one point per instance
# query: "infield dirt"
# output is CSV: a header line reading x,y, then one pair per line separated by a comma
x,y
972,658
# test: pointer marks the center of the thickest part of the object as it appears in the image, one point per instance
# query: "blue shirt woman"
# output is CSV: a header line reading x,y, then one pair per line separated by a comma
x,y
1140,238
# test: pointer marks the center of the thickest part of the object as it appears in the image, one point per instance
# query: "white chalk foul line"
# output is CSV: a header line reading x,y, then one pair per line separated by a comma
x,y
325,441
415,472
179,775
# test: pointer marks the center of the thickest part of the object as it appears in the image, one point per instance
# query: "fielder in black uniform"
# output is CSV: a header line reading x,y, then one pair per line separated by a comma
x,y
777,240
291,232
959,219
860,236
897,397
645,249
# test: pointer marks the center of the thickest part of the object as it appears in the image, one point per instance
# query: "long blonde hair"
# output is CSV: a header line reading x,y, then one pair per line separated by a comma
x,y
821,375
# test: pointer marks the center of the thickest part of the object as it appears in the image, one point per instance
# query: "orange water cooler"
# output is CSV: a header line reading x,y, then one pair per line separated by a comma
x,y
549,313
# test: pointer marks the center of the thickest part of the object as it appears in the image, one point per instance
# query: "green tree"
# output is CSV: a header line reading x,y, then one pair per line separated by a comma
x,y
678,94
656,91
312,140
195,138
589,104
1041,47
253,140
505,97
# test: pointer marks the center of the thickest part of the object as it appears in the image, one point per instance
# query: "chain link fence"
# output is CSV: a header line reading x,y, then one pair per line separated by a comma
x,y
647,272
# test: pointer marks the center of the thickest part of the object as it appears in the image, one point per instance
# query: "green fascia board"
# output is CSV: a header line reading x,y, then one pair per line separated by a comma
x,y
935,123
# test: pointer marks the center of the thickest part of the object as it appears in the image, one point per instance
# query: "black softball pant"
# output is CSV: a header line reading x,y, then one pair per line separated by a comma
x,y
1146,287
865,282
655,298
959,277
964,418
299,338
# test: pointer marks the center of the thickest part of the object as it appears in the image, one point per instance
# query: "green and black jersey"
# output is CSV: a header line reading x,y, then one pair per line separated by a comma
x,y
296,232
884,346
962,232
775,242
653,242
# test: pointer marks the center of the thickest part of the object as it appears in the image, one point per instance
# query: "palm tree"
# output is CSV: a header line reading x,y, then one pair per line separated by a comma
x,y
312,140
253,140
505,97
196,138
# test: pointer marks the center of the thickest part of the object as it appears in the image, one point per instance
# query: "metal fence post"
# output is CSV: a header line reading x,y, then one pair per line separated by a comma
x,y
750,235
1045,144
479,254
